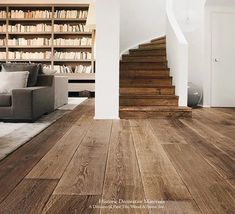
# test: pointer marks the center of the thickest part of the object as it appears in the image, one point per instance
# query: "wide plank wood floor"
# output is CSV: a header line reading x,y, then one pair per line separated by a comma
x,y
79,165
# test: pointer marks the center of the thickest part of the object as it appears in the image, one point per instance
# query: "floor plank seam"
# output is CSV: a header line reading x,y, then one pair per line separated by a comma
x,y
141,177
106,162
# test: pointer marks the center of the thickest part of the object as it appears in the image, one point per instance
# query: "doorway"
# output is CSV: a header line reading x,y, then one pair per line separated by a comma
x,y
223,60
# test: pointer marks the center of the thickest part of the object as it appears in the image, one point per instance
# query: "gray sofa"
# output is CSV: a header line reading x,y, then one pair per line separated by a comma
x,y
28,104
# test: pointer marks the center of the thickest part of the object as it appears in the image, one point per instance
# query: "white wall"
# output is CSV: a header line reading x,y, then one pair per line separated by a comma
x,y
190,16
107,59
223,6
177,54
141,20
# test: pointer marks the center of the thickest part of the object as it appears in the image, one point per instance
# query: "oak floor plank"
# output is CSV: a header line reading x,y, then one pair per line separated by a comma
x,y
211,193
220,161
29,197
212,136
176,207
85,173
53,164
160,179
220,123
17,165
122,177
165,133
72,204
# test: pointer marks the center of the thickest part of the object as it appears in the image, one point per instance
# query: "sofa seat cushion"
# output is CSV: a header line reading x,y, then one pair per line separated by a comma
x,y
32,68
5,100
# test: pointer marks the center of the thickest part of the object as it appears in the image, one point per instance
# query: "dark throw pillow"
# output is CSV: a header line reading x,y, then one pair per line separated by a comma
x,y
32,68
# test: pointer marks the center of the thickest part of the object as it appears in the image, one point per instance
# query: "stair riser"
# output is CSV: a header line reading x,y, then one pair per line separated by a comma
x,y
153,46
148,102
147,91
166,82
148,53
144,59
153,115
144,74
142,66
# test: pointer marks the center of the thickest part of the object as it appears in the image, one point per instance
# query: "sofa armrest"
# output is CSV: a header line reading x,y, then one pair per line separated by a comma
x,y
31,103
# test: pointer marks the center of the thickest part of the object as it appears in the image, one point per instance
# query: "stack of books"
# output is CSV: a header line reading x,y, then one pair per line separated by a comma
x,y
3,14
83,69
32,42
37,14
3,55
29,28
71,14
3,28
73,55
2,42
78,42
69,28
66,69
29,55
63,69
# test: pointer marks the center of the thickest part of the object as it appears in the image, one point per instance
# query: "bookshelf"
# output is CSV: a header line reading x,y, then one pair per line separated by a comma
x,y
56,32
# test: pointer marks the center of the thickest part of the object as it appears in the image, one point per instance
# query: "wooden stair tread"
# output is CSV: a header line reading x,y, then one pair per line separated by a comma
x,y
158,52
144,59
160,47
152,78
144,86
152,46
139,85
159,38
149,96
155,108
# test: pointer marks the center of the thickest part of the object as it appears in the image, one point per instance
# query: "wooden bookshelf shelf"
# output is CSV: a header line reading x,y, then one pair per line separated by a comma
x,y
81,66
72,60
29,60
73,33
29,47
70,20
29,20
29,33
72,47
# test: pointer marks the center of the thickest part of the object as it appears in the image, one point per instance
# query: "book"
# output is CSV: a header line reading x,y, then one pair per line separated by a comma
x,y
71,14
84,41
14,55
73,55
35,14
32,42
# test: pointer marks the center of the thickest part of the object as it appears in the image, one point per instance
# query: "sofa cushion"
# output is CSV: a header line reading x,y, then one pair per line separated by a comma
x,y
13,80
5,100
32,68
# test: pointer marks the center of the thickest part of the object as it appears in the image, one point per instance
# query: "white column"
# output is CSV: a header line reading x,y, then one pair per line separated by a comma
x,y
107,59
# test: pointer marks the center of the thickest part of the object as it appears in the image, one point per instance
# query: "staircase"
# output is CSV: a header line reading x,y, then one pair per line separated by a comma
x,y
146,89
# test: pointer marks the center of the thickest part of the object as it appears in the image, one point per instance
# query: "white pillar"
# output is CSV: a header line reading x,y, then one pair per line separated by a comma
x,y
107,59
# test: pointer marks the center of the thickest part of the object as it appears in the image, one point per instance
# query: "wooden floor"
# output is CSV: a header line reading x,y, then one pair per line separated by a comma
x,y
79,166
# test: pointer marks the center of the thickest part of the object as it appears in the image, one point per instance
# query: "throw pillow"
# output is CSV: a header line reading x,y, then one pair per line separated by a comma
x,y
13,80
32,68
